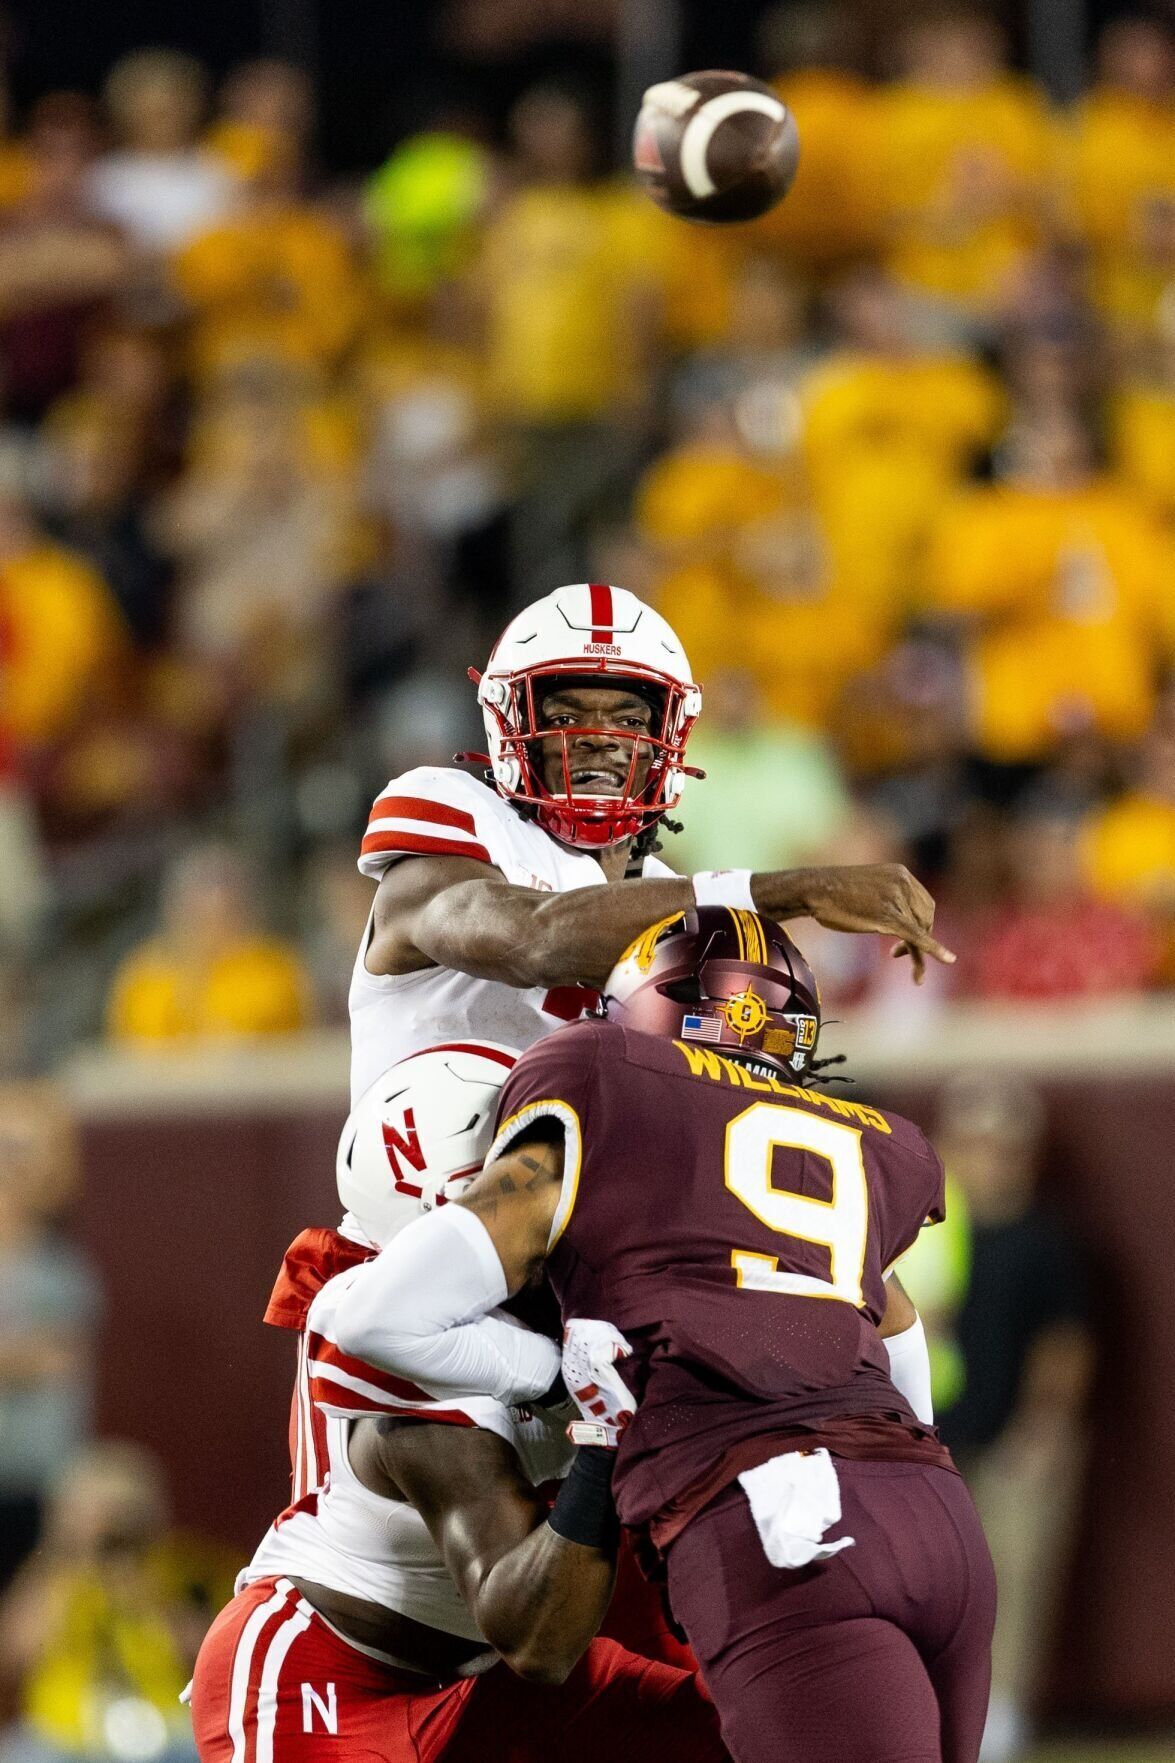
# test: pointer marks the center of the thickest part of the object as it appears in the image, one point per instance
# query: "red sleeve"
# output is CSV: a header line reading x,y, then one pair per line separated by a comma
x,y
313,1258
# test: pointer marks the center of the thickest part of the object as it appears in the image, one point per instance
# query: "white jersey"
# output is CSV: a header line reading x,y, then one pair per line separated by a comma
x,y
439,812
338,1533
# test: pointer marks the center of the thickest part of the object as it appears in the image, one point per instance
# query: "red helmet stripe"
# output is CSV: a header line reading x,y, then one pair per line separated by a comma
x,y
603,619
509,1060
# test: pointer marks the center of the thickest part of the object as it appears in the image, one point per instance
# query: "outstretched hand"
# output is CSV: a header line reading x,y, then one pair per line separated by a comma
x,y
880,897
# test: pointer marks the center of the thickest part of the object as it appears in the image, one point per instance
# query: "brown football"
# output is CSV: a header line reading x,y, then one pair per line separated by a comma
x,y
715,146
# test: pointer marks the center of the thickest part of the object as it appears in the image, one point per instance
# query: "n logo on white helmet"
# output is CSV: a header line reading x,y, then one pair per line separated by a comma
x,y
419,1135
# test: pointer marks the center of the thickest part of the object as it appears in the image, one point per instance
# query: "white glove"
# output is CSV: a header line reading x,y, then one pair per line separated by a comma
x,y
590,1352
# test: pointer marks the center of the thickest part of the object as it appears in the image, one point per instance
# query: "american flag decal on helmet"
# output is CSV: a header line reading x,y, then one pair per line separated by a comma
x,y
700,1028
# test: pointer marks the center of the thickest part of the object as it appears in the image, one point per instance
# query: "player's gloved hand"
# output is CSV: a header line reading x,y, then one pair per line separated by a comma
x,y
590,1352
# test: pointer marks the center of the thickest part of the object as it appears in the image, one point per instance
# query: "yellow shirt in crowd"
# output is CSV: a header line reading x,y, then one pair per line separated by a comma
x,y
559,280
571,272
105,1649
884,441
961,178
1129,850
831,212
279,281
256,987
1142,441
1122,179
1037,680
61,637
1070,588
693,498
1089,554
801,650
751,579
941,409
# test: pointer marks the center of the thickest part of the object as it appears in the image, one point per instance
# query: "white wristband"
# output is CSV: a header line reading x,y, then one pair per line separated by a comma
x,y
724,887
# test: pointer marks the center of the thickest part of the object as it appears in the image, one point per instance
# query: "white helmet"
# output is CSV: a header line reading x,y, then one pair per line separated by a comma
x,y
419,1135
591,634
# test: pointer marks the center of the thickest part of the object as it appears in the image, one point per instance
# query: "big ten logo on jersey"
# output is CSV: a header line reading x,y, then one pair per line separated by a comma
x,y
326,1709
404,1142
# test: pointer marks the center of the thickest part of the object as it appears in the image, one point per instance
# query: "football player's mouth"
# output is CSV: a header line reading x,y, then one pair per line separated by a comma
x,y
595,780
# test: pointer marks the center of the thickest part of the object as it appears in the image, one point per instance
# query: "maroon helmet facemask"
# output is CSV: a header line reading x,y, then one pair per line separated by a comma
x,y
725,978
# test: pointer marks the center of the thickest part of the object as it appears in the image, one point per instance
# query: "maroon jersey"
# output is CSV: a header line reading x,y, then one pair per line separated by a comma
x,y
737,1229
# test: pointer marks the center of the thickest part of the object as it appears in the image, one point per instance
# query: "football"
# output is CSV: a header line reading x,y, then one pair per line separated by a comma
x,y
715,146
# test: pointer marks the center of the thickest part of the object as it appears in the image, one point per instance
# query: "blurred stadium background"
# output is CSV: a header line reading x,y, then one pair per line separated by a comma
x,y
331,334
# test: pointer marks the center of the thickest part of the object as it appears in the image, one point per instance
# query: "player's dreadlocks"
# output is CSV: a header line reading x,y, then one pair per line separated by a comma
x,y
815,1073
647,843
818,1067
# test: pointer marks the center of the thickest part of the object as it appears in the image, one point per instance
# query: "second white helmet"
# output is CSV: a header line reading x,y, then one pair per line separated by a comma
x,y
419,1135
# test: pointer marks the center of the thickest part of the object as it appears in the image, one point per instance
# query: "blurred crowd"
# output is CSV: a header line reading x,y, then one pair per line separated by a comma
x,y
103,1602
279,454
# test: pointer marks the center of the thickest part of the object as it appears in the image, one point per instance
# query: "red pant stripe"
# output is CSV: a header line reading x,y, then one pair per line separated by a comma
x,y
241,1692
294,1624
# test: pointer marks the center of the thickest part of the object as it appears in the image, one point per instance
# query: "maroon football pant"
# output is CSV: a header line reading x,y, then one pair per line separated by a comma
x,y
880,1655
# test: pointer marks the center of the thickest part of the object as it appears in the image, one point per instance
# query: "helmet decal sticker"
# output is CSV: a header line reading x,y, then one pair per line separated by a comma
x,y
745,1013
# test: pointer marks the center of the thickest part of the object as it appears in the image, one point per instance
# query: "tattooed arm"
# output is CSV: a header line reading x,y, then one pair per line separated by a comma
x,y
516,1197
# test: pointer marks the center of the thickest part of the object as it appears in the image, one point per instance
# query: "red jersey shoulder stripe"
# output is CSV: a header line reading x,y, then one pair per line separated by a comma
x,y
344,1402
422,808
331,1396
423,844
324,1357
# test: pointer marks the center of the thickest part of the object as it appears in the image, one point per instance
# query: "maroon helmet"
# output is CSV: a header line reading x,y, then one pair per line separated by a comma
x,y
724,977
